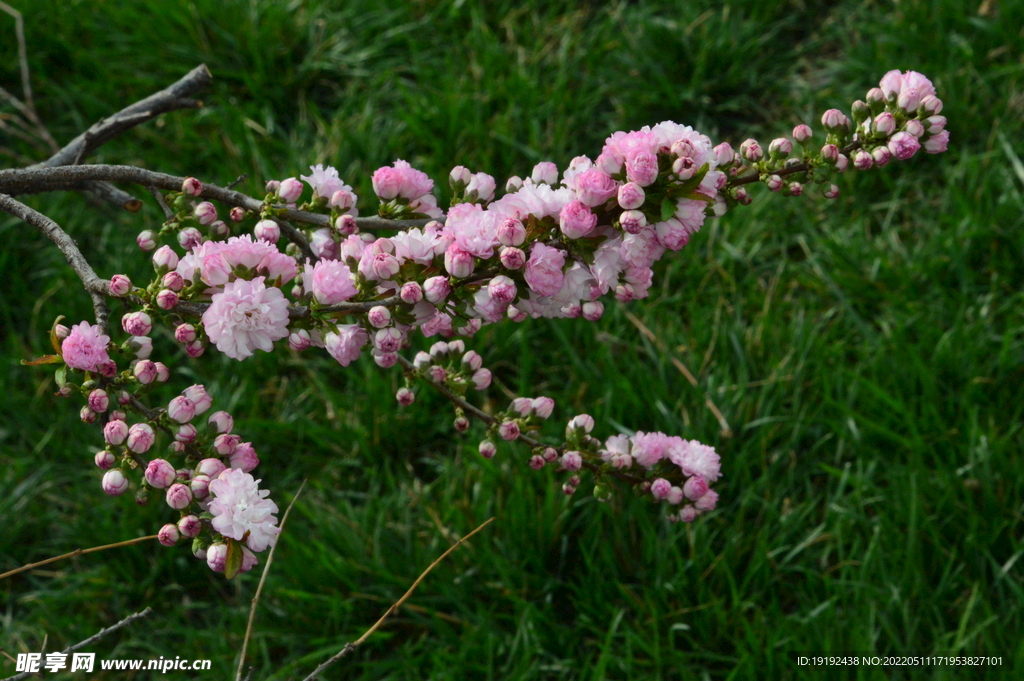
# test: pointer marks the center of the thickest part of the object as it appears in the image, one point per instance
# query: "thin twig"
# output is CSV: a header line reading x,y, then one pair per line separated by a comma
x,y
238,180
89,641
26,80
94,285
789,170
77,552
349,647
259,587
158,195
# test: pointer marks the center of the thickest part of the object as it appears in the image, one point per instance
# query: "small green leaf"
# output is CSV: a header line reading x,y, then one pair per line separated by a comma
x,y
61,376
54,341
668,209
45,359
234,561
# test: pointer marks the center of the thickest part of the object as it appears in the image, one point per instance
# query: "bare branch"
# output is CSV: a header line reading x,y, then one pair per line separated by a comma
x,y
92,639
94,285
259,588
171,98
168,213
29,107
349,647
77,552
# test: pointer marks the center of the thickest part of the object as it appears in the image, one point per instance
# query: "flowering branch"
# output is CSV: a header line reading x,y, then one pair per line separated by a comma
x,y
89,641
349,647
94,285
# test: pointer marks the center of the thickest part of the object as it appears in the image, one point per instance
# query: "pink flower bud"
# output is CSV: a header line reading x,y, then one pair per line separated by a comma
x,y
99,401
200,398
145,371
190,526
237,214
181,409
244,457
487,449
831,192
411,292
915,127
346,225
299,340
385,266
502,290
217,557
707,502
459,177
436,289
881,156
290,190
661,488
751,150
160,474
115,432
908,100
780,147
267,230
137,324
592,310
164,259
120,285
118,415
140,437
631,195
114,482
379,316
571,311
550,454
515,314
200,486
388,340
205,213
884,124
802,133
211,468
473,360
695,488
458,263
511,232
931,105
903,145
185,333
508,430
437,374
192,186
512,258
168,534
146,240
537,462
179,496
875,97
461,424
584,422
343,200
572,461
185,433
220,422
189,238
545,172
385,360
862,160
835,120
166,299
514,184
568,489
542,406
225,443
793,189
724,154
219,229
482,379
830,153
173,281
104,459
774,183
272,186
87,415
936,144
522,406
405,397
642,168
633,221
481,186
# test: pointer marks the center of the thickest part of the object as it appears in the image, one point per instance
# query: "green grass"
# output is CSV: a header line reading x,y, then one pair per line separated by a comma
x,y
867,352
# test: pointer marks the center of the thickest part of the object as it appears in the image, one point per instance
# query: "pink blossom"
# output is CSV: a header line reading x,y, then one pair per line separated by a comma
x,y
324,181
417,245
85,347
631,195
512,258
246,315
661,488
650,448
401,180
642,168
695,458
594,187
160,474
140,438
332,282
544,269
903,145
238,506
576,220
508,430
695,488
572,461
347,343
474,230
707,502
545,172
936,144
511,232
244,457
481,186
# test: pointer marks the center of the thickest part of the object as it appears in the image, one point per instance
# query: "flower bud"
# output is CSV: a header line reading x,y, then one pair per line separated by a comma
x,y
436,289
537,462
211,468
915,127
421,360
684,168
458,178
780,147
173,281
244,457
190,526
189,238
631,196
514,184
437,374
192,186
160,474
104,459
166,299
290,190
751,150
835,120
830,153
860,112
267,230
185,333
220,422
522,406
219,229
724,154
695,488
862,160
545,172
480,188
572,461
388,340
185,433
299,340
379,316
146,240
461,424
661,488
411,292
831,192
931,105
181,409
87,415
195,348
164,259
114,482
458,263
140,437
512,258
473,360
592,310
584,422
482,379
200,398
99,401
137,323
405,397
542,406
346,225
793,189
511,232
842,162
487,449
774,183
120,285
508,430
178,496
876,99
217,557
881,156
908,100
343,200
168,535
802,133
568,489
237,214
200,487
145,371
205,213
502,290
515,314
225,443
884,124
633,221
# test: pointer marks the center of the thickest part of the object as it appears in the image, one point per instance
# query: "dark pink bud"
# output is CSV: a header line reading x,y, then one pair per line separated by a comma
x,y
802,133
487,449
160,474
192,186
120,285
190,526
99,401
179,496
185,333
166,299
411,292
405,397
512,258
104,460
205,213
146,240
237,214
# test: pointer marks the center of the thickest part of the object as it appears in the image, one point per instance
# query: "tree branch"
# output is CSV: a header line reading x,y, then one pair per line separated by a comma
x,y
89,641
94,285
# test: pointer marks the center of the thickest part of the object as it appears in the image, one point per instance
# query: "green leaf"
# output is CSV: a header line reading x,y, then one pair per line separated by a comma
x,y
61,376
234,561
668,209
54,341
45,359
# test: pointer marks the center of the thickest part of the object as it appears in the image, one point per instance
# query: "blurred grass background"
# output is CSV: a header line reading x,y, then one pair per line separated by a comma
x,y
867,352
